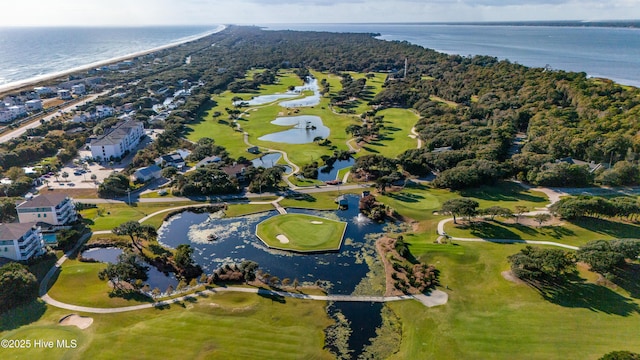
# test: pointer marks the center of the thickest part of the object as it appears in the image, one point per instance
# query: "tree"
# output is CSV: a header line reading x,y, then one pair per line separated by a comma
x,y
541,218
65,175
608,257
519,210
296,283
7,210
135,231
460,206
17,286
621,355
115,184
535,263
497,211
182,257
249,269
128,269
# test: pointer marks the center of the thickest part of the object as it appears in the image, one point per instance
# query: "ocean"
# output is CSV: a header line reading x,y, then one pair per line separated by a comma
x,y
610,52
27,53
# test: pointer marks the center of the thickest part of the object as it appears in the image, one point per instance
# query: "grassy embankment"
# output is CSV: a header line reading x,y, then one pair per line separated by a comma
x,y
232,325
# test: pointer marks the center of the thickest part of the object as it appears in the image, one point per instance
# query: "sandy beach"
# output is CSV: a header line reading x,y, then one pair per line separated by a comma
x,y
47,77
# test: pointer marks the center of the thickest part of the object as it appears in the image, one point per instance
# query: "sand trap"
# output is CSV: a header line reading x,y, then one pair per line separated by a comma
x,y
317,222
82,322
282,238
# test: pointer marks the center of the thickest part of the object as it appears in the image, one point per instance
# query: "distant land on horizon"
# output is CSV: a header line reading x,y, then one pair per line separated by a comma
x,y
569,23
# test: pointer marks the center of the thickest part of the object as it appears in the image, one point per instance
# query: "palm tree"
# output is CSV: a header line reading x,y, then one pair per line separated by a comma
x,y
65,175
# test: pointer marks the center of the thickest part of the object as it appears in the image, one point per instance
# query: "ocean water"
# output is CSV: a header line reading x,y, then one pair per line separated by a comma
x,y
609,52
26,53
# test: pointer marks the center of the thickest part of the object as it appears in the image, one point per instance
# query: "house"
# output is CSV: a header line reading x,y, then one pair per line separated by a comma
x,y
117,141
208,160
34,105
43,90
174,159
17,110
50,208
253,150
103,111
20,241
235,171
64,94
5,116
79,89
147,173
593,166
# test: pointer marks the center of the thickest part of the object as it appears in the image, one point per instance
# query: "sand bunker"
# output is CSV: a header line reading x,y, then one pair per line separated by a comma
x,y
82,322
317,222
282,238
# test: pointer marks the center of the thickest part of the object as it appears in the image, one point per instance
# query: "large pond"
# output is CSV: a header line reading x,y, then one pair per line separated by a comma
x,y
236,241
156,278
305,129
326,173
270,160
265,99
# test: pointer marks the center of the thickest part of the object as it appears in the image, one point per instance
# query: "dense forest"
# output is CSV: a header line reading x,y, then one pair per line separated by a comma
x,y
472,109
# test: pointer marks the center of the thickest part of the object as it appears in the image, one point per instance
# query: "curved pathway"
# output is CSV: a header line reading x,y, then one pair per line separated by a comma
x,y
441,232
417,137
295,168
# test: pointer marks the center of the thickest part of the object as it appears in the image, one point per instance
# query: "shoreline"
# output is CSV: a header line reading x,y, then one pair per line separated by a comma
x,y
15,85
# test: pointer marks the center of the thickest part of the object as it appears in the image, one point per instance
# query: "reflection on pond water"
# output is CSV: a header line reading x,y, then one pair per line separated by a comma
x,y
156,278
305,129
331,173
270,160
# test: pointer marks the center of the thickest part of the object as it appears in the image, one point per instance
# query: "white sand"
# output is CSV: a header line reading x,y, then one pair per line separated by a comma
x,y
282,238
317,222
81,322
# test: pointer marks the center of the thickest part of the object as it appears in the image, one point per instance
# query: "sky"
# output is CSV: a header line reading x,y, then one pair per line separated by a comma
x,y
209,12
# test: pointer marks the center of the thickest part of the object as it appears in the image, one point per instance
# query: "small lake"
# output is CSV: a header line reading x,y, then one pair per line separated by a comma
x,y
305,129
313,100
265,99
270,160
331,173
156,278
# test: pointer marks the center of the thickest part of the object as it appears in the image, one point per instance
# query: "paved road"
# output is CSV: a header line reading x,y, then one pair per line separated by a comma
x,y
34,124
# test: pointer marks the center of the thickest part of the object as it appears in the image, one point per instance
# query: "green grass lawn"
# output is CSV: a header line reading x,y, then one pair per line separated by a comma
x,y
77,283
488,317
304,232
575,233
224,326
319,201
419,202
395,135
116,214
246,209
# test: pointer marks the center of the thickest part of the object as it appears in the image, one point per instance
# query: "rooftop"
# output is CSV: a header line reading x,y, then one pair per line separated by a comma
x,y
44,200
116,133
13,231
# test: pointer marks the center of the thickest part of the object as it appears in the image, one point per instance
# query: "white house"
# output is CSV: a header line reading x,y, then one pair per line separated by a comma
x,y
78,89
5,116
43,90
147,173
50,208
20,241
123,137
104,111
17,110
34,105
64,94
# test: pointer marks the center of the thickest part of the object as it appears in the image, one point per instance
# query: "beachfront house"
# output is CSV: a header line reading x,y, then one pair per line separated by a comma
x,y
33,105
50,208
78,89
64,94
20,241
117,141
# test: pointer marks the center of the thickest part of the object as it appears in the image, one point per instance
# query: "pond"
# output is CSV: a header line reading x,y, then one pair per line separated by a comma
x,y
265,99
305,129
157,279
310,85
331,173
270,160
236,241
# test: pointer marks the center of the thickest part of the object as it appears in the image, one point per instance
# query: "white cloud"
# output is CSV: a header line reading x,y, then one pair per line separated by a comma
x,y
173,12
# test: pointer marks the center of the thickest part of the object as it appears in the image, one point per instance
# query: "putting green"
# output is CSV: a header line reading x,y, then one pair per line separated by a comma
x,y
302,233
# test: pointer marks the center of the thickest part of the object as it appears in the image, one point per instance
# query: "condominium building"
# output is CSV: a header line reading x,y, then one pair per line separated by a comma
x,y
20,241
116,141
53,208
